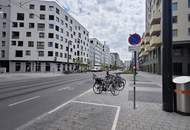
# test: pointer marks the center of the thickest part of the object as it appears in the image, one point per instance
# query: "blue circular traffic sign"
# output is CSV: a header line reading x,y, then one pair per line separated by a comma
x,y
134,39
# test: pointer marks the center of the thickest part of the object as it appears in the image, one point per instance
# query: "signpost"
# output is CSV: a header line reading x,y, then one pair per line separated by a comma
x,y
134,40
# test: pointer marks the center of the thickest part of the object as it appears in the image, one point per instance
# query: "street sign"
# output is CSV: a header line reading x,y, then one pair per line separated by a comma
x,y
132,48
134,39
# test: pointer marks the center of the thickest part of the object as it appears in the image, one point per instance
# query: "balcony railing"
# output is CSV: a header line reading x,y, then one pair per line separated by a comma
x,y
155,41
155,29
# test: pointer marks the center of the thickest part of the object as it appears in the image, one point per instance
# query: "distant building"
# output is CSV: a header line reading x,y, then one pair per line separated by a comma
x,y
115,60
99,53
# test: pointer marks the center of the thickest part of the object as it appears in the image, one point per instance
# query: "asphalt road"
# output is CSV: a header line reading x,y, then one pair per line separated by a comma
x,y
24,100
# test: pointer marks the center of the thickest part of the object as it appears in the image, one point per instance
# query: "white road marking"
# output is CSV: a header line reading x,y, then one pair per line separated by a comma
x,y
96,104
65,88
73,100
22,101
105,105
57,108
116,118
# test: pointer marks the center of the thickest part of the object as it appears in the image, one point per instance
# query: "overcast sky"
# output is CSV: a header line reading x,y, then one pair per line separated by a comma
x,y
109,20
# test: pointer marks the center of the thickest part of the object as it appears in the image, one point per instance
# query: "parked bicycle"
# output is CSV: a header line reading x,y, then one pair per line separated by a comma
x,y
112,83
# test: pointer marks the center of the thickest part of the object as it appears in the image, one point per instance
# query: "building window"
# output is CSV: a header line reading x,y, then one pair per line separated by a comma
x,y
38,67
41,35
66,18
189,31
66,25
42,16
61,47
15,24
4,34
28,67
4,25
67,34
62,23
31,6
3,43
51,26
20,16
21,25
4,15
41,27
2,53
57,11
19,53
20,43
15,35
30,44
174,6
57,28
50,53
17,66
47,67
57,45
177,51
31,25
51,17
57,19
188,3
50,44
61,30
177,68
13,43
40,53
56,54
175,32
42,7
40,45
174,19
57,36
31,15
51,8
28,34
61,54
70,28
50,35
71,21
28,52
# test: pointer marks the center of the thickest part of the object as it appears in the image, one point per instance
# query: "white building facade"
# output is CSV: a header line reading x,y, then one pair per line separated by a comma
x,y
39,36
99,53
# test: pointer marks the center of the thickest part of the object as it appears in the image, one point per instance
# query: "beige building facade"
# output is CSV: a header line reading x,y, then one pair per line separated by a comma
x,y
151,47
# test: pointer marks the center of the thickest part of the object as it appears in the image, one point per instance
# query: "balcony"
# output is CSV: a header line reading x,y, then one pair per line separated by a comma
x,y
155,29
155,19
147,48
147,39
155,41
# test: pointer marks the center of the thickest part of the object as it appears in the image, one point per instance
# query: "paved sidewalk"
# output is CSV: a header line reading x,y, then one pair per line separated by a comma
x,y
106,112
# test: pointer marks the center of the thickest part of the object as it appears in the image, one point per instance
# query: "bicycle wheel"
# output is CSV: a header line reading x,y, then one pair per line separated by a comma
x,y
97,88
114,91
120,86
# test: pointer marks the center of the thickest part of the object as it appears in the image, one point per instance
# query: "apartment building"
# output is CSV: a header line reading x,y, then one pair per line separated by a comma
x,y
115,59
151,46
106,55
99,53
39,36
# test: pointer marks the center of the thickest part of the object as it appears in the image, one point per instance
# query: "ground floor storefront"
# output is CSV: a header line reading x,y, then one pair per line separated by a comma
x,y
39,66
181,60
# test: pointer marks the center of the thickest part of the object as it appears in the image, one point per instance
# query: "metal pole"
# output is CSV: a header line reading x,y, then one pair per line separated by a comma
x,y
68,57
167,56
135,66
